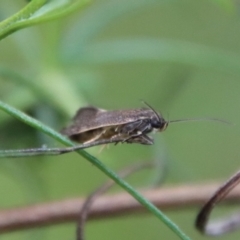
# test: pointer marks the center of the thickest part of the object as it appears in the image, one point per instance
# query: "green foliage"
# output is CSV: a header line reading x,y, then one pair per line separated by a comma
x,y
38,11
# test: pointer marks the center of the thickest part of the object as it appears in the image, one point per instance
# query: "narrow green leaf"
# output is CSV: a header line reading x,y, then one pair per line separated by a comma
x,y
38,11
149,49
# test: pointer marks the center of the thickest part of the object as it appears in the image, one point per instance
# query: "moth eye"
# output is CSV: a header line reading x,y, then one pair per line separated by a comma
x,y
156,124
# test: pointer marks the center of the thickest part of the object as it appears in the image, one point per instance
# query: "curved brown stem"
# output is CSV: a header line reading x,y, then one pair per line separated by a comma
x,y
221,226
95,194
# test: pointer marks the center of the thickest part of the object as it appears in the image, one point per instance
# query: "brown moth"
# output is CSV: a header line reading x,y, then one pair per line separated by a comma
x,y
92,124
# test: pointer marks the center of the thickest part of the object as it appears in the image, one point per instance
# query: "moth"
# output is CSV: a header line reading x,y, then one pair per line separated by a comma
x,y
92,124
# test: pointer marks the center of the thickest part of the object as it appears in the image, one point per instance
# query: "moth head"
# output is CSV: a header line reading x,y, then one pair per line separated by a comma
x,y
164,125
157,122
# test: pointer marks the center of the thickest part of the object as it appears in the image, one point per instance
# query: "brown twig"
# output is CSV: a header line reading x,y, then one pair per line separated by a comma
x,y
166,198
17,153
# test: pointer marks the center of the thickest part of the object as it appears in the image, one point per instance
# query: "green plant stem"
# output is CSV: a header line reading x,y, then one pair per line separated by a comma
x,y
6,25
31,15
50,132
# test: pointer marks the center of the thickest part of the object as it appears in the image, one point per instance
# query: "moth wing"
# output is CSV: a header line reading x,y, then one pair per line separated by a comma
x,y
119,117
90,118
84,114
83,121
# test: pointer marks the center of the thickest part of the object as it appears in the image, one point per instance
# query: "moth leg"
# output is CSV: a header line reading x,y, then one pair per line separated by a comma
x,y
143,128
135,132
131,127
142,139
139,137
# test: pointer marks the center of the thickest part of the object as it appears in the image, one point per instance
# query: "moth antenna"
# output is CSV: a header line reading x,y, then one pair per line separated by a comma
x,y
156,113
186,119
200,119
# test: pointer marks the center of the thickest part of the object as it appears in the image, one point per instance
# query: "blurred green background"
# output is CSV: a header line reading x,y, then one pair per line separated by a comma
x,y
182,57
